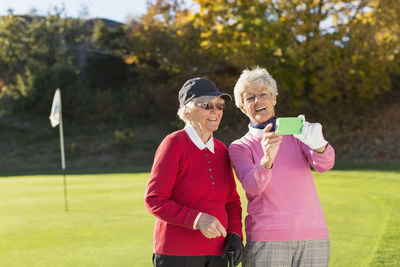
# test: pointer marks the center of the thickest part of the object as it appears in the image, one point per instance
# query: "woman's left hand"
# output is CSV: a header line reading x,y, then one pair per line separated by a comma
x,y
311,135
270,144
234,243
210,226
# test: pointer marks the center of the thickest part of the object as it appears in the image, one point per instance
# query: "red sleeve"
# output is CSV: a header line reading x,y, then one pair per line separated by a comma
x,y
161,183
233,206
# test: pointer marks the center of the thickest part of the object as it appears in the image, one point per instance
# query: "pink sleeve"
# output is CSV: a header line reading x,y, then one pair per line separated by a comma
x,y
321,162
253,176
160,185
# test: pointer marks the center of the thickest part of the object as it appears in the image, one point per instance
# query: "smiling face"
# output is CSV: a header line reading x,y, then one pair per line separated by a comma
x,y
206,121
258,104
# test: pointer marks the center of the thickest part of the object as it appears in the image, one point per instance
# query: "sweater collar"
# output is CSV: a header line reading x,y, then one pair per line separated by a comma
x,y
194,136
262,125
256,132
258,129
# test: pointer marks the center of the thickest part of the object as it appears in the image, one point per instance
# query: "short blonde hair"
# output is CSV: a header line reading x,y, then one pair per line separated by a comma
x,y
256,77
184,110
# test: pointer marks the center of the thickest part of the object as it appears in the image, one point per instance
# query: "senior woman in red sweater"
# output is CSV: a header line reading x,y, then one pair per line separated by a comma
x,y
191,190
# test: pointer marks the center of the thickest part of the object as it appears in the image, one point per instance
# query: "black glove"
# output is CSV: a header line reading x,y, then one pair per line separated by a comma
x,y
234,242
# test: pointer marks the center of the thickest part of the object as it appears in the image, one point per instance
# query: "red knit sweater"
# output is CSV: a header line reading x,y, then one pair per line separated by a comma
x,y
184,181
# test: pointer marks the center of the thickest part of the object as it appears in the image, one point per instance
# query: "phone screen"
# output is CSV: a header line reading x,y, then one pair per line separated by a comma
x,y
289,125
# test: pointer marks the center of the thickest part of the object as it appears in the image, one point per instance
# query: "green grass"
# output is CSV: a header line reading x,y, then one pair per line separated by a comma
x,y
362,210
107,224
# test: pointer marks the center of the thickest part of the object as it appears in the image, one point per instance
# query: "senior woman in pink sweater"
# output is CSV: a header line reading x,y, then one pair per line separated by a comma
x,y
285,225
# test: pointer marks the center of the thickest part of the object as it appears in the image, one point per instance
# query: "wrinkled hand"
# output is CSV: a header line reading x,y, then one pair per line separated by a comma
x,y
210,226
270,145
234,243
312,136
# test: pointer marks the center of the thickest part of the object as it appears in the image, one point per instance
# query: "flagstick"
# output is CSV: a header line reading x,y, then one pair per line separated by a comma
x,y
65,192
63,159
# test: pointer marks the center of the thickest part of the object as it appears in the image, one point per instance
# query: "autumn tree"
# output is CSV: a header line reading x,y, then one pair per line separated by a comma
x,y
325,55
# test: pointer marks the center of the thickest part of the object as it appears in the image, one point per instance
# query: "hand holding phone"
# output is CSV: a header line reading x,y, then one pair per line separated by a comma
x,y
270,144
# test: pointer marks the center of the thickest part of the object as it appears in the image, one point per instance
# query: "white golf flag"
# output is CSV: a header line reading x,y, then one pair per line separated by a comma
x,y
55,115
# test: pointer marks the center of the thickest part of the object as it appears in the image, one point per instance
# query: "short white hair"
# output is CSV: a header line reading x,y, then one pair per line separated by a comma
x,y
184,110
251,78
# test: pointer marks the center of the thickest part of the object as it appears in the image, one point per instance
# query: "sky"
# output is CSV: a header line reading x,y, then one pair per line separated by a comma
x,y
118,10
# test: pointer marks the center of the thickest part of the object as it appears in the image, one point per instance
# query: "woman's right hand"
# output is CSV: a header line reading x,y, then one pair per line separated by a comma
x,y
210,226
270,144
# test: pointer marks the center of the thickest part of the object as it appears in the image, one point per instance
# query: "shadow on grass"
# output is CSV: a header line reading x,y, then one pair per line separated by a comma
x,y
136,169
367,165
339,165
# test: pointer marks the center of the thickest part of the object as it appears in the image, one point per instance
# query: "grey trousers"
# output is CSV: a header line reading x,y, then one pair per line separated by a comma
x,y
306,253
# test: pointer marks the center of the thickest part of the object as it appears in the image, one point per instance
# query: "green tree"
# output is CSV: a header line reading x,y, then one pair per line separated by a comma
x,y
36,58
14,48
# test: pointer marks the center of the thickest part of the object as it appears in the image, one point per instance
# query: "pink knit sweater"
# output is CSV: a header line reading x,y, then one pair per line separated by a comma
x,y
283,204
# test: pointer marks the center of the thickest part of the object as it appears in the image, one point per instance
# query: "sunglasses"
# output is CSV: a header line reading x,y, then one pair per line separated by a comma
x,y
210,106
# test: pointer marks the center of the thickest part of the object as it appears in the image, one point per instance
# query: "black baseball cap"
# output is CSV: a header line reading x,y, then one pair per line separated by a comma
x,y
201,89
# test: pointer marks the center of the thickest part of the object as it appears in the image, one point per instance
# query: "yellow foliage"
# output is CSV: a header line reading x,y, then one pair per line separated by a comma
x,y
334,18
130,59
356,58
386,36
257,21
365,19
219,27
202,11
278,52
191,16
205,34
390,57
205,43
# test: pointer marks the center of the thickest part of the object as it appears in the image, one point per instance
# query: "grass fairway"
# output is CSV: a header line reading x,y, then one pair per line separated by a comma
x,y
362,210
107,224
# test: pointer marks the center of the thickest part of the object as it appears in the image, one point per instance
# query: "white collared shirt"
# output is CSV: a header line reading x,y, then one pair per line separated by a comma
x,y
194,136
